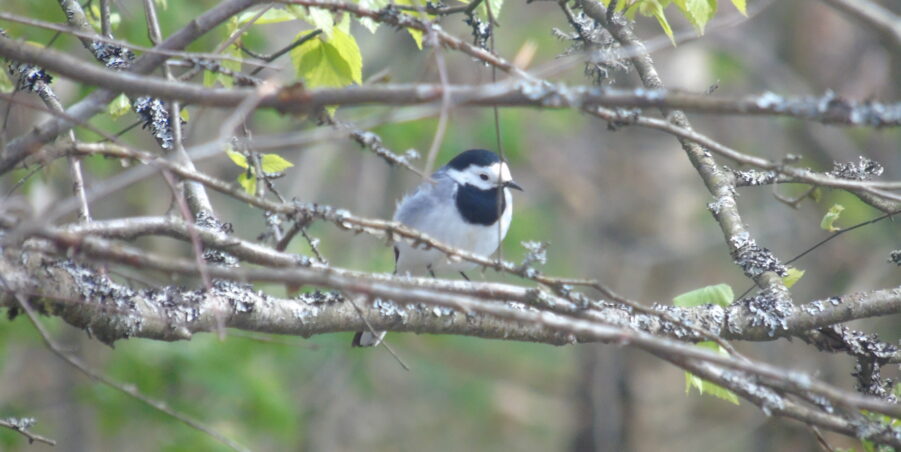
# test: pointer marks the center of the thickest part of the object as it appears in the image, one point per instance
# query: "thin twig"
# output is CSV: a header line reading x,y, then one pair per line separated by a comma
x,y
129,390
21,427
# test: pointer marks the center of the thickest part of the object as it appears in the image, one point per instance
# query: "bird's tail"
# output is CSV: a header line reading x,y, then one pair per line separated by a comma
x,y
368,338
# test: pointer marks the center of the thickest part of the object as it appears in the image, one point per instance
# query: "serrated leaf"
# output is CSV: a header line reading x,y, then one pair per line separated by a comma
x,y
209,78
705,387
320,18
828,221
741,6
698,12
94,18
344,24
248,181
415,34
271,16
119,106
237,157
374,5
719,294
336,62
792,277
274,163
496,6
6,85
653,8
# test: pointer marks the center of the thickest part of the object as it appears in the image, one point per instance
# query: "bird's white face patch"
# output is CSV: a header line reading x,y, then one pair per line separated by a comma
x,y
482,177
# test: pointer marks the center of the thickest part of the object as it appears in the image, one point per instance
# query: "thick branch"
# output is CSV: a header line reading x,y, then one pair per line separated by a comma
x,y
175,311
828,109
873,15
18,149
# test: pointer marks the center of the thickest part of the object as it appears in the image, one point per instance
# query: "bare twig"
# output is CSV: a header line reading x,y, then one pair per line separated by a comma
x,y
22,426
873,15
126,389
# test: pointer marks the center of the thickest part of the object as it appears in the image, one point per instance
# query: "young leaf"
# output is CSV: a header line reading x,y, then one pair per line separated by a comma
x,y
792,277
705,387
274,163
272,16
94,18
318,17
655,8
184,115
374,5
698,12
119,106
237,157
828,221
720,294
248,181
6,85
336,62
415,34
741,6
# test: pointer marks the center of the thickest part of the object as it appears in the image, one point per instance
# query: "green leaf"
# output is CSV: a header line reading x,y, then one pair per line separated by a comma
x,y
272,16
828,221
698,12
705,387
6,85
415,34
119,106
274,163
164,4
336,62
248,181
374,5
184,115
237,157
720,294
792,277
318,17
654,8
741,6
210,78
94,18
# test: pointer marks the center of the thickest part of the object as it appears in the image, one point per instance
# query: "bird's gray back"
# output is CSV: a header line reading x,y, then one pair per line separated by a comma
x,y
415,209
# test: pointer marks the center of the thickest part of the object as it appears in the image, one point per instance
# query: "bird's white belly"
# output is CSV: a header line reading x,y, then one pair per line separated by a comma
x,y
448,227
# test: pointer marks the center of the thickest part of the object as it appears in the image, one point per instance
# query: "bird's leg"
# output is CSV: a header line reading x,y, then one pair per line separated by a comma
x,y
431,272
464,276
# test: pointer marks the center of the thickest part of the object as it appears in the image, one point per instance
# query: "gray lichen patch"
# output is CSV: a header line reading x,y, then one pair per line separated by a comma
x,y
155,115
768,399
767,309
863,169
895,257
753,178
752,258
108,296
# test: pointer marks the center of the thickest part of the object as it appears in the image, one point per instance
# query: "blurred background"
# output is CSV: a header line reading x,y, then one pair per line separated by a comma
x,y
623,206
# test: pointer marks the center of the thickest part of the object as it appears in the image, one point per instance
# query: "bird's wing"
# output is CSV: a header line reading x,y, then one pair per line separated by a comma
x,y
418,208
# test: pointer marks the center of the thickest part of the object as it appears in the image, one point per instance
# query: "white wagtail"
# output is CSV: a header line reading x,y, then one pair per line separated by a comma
x,y
460,207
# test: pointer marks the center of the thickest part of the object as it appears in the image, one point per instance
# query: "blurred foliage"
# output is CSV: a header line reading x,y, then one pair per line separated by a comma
x,y
623,206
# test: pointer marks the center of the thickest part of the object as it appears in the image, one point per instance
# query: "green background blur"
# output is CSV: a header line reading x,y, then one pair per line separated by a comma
x,y
622,206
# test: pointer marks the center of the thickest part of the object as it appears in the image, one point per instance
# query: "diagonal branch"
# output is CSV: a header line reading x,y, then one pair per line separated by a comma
x,y
873,15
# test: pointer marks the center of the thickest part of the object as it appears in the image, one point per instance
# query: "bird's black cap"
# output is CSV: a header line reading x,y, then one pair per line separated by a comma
x,y
478,157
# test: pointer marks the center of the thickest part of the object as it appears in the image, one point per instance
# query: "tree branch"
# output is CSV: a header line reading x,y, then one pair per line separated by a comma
x,y
873,15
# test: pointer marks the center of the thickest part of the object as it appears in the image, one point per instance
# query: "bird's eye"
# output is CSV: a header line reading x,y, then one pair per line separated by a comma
x,y
483,176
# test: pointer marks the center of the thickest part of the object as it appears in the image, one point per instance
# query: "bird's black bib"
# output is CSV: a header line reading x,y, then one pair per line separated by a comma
x,y
479,206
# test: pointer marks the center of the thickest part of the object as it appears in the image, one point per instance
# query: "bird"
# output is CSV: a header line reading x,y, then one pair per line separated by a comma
x,y
460,206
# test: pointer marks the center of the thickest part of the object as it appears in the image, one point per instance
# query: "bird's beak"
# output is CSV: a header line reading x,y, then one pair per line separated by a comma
x,y
514,185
